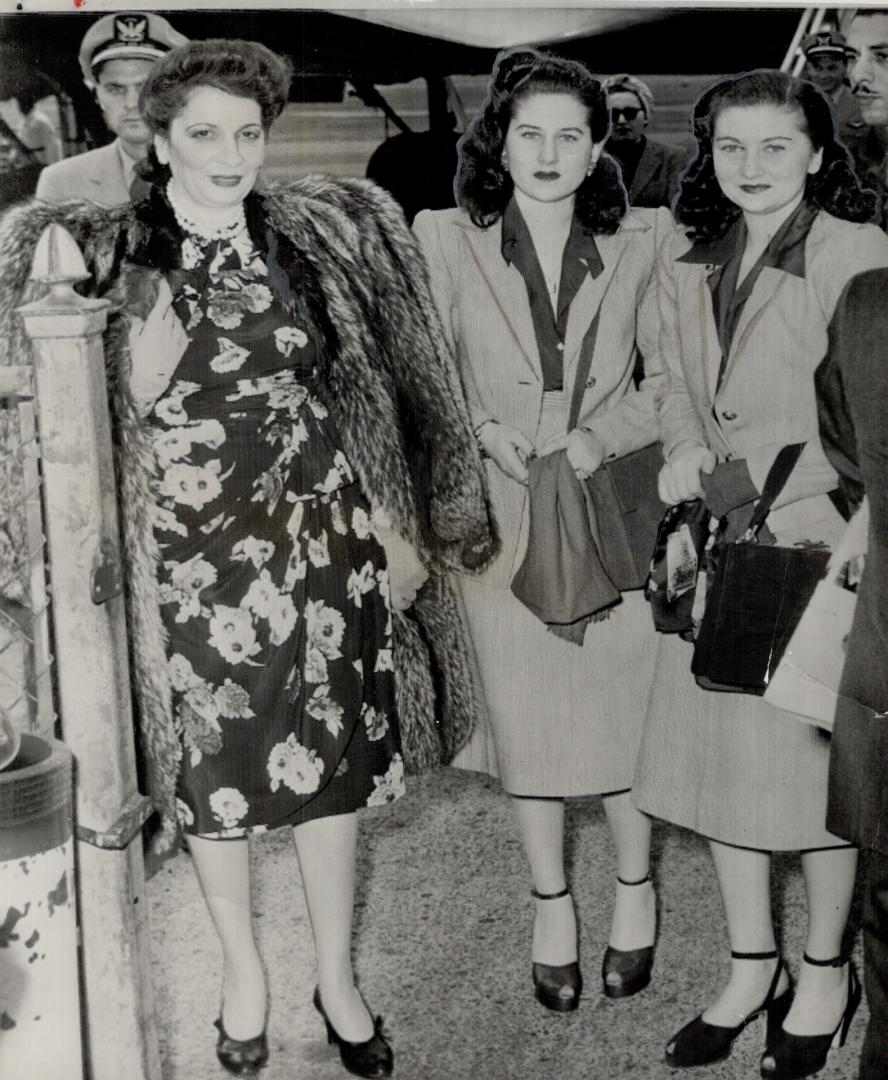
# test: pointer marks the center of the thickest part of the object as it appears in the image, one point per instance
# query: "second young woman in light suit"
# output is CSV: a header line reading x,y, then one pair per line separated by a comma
x,y
541,253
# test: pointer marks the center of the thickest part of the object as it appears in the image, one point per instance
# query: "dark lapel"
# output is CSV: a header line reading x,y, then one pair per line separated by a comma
x,y
593,290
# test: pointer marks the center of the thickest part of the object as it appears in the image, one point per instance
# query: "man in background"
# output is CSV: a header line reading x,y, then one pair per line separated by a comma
x,y
868,70
116,55
826,65
650,168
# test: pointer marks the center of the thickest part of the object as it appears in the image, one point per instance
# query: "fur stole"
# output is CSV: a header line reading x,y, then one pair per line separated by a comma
x,y
342,248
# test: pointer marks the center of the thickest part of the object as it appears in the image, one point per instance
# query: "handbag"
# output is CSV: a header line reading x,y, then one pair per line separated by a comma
x,y
670,589
623,495
756,598
807,678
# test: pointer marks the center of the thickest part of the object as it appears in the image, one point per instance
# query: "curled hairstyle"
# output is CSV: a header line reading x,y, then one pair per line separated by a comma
x,y
483,187
702,205
244,69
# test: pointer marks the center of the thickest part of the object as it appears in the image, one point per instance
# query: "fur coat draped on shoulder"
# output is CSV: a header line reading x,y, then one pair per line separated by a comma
x,y
341,248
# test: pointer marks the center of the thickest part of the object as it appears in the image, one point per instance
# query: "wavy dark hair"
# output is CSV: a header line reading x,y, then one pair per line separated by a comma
x,y
483,187
243,69
706,210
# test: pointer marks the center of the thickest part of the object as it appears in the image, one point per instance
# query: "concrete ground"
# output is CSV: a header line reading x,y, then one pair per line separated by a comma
x,y
442,944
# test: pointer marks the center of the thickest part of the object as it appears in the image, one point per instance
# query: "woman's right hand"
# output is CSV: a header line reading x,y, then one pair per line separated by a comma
x,y
679,479
507,447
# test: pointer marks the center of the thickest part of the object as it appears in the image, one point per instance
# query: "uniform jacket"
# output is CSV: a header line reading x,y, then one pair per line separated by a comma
x,y
766,396
852,385
656,178
486,314
389,382
96,176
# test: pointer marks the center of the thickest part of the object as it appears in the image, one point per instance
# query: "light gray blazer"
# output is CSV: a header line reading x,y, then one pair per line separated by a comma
x,y
96,176
766,397
483,304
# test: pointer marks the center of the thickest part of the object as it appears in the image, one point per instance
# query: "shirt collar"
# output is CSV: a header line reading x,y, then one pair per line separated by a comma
x,y
581,246
786,251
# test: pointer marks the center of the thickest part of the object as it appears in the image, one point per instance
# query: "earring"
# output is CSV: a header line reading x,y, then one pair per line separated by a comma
x,y
591,168
505,161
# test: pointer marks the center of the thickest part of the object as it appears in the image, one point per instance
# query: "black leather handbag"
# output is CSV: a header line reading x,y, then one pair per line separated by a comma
x,y
756,598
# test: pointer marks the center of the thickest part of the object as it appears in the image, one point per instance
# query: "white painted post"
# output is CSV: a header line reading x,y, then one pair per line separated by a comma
x,y
92,662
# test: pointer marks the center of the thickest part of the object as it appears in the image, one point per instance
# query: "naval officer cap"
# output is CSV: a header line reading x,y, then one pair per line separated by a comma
x,y
127,35
825,43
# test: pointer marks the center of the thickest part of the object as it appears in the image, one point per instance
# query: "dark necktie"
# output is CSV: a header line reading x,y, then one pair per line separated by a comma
x,y
138,188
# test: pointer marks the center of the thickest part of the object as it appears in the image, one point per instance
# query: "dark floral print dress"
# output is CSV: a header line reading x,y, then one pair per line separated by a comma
x,y
274,588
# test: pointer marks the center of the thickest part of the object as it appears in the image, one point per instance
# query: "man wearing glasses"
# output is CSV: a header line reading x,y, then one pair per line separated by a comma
x,y
650,168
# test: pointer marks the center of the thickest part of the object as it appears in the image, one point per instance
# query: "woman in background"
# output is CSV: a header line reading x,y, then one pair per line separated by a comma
x,y
542,261
774,225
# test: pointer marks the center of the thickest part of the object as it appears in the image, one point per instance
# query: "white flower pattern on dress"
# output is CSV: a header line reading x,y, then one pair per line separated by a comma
x,y
228,806
257,516
292,764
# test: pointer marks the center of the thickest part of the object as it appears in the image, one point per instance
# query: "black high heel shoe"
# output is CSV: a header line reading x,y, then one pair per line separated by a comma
x,y
243,1057
625,972
701,1043
795,1056
371,1058
556,986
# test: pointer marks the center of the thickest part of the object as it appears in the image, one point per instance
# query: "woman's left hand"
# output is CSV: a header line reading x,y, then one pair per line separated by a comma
x,y
407,575
585,451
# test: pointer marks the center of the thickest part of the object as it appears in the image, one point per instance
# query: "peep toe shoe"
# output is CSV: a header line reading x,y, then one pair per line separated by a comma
x,y
791,1057
702,1043
557,986
625,972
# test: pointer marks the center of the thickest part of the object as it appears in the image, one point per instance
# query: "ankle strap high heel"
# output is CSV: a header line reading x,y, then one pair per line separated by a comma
x,y
702,1043
557,987
791,1057
625,972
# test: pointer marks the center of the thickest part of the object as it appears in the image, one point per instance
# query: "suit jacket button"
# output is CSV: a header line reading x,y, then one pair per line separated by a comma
x,y
728,414
590,382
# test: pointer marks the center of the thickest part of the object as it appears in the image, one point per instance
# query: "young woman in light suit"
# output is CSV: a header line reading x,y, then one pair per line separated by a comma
x,y
774,227
542,244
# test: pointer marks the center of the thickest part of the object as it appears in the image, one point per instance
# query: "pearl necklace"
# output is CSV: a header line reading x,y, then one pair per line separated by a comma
x,y
227,230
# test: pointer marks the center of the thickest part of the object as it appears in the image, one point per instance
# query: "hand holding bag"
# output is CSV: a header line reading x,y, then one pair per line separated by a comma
x,y
807,678
756,599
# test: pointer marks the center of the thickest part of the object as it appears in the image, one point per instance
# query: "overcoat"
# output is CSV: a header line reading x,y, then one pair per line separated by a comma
x,y
388,380
852,387
655,182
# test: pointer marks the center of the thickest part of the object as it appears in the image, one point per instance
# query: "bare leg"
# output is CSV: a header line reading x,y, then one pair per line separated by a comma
x,y
326,850
634,919
744,877
541,825
822,992
223,870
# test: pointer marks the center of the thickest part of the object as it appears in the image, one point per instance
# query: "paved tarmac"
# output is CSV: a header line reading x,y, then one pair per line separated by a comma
x,y
442,950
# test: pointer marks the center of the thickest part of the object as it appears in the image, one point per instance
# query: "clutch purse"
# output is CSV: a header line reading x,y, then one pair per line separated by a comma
x,y
756,598
623,493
